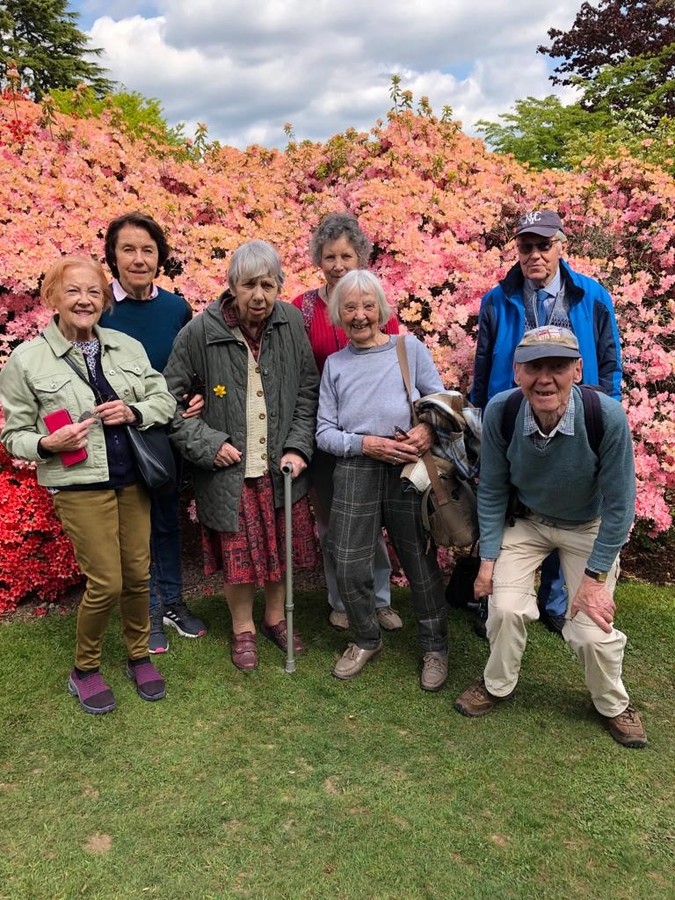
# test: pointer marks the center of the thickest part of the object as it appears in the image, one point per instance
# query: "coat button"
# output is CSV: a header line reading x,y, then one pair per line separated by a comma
x,y
263,440
261,416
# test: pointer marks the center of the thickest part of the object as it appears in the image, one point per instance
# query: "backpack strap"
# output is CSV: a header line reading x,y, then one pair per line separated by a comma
x,y
595,428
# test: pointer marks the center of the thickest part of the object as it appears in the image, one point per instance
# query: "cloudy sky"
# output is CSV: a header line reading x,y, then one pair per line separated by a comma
x,y
247,67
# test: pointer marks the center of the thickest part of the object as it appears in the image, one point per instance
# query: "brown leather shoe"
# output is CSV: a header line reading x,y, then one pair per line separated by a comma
x,y
278,634
434,671
477,700
244,651
627,728
353,660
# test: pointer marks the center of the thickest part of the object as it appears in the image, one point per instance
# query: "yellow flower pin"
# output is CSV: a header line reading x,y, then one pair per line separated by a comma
x,y
220,390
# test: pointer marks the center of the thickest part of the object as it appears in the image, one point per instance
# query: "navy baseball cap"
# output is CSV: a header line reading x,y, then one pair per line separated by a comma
x,y
544,222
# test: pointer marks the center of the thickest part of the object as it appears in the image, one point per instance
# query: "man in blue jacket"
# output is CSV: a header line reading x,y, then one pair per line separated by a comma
x,y
573,498
541,289
135,250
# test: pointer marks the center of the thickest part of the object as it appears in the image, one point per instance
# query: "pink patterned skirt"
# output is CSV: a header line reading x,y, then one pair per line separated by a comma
x,y
257,552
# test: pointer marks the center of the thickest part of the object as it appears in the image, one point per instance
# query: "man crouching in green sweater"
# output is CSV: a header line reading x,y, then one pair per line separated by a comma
x,y
571,499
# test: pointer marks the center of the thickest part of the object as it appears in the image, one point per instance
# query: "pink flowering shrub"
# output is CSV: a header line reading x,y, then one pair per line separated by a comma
x,y
438,207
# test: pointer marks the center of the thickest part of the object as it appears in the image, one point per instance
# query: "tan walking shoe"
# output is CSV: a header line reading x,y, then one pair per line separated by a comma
x,y
389,619
477,700
353,660
627,728
434,670
338,619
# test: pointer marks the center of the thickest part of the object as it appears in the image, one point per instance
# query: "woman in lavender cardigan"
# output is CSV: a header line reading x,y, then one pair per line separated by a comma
x,y
365,421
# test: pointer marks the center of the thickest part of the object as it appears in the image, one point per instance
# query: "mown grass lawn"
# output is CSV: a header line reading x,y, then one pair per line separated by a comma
x,y
300,786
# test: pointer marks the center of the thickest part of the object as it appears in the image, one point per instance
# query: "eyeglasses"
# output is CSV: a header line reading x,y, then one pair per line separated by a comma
x,y
527,247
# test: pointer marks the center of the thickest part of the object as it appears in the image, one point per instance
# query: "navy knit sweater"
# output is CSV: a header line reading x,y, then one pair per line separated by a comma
x,y
155,323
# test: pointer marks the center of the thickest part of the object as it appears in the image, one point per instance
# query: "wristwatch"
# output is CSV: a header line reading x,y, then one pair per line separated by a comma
x,y
596,576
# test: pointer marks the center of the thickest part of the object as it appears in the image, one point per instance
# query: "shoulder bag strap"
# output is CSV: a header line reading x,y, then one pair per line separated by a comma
x,y
428,460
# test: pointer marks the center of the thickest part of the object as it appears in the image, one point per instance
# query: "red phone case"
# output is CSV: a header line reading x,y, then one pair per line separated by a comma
x,y
57,420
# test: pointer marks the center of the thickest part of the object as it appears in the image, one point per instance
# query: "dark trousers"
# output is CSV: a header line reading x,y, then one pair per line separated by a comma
x,y
166,576
369,494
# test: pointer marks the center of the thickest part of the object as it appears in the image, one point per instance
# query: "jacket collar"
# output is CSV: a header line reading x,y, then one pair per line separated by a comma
x,y
60,345
514,281
216,330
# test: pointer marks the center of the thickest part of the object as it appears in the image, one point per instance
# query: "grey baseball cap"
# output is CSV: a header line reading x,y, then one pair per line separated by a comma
x,y
547,341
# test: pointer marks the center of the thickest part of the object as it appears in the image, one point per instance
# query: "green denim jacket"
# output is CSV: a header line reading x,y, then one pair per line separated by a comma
x,y
36,381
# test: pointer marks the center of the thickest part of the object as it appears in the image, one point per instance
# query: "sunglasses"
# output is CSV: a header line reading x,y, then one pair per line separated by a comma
x,y
527,247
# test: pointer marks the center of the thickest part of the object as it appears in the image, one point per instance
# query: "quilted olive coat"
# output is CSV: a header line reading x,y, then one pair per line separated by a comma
x,y
208,353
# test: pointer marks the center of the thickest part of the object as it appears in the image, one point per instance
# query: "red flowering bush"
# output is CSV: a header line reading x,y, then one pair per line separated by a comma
x,y
438,207
37,557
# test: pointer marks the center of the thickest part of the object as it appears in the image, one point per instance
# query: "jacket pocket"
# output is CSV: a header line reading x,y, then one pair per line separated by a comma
x,y
133,378
56,392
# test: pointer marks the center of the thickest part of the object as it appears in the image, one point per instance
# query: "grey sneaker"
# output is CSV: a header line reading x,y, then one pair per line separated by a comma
x,y
157,642
434,671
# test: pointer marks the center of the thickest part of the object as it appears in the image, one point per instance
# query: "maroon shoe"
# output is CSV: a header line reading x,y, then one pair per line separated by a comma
x,y
244,651
278,634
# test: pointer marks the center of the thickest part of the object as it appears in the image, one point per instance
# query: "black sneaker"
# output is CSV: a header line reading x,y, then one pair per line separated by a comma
x,y
157,642
178,616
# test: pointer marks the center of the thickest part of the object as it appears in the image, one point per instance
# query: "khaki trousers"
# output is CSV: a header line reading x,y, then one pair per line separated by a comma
x,y
514,604
110,531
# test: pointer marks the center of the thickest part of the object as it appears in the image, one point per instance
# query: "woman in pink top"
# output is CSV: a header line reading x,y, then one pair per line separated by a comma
x,y
337,246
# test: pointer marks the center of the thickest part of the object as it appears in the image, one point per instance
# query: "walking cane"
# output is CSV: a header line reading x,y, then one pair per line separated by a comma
x,y
288,477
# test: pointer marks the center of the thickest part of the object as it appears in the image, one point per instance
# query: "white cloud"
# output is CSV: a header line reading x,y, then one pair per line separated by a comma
x,y
245,67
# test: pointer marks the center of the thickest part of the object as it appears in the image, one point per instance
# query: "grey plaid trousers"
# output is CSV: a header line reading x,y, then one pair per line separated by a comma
x,y
367,495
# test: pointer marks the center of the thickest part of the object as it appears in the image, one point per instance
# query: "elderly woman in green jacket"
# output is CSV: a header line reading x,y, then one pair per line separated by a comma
x,y
73,425
252,356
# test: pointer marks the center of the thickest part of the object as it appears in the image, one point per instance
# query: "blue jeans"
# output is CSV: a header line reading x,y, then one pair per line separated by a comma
x,y
552,596
166,576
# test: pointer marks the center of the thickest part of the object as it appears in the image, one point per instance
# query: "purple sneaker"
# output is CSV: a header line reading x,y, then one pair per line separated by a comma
x,y
149,682
92,691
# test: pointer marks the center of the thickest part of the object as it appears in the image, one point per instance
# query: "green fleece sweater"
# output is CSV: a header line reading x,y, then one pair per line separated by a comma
x,y
564,482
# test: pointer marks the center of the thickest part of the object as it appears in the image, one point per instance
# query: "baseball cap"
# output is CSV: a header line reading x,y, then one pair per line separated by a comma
x,y
547,341
544,222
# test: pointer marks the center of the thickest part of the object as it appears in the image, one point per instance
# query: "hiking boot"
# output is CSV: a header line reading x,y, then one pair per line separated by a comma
x,y
353,660
338,619
477,700
149,681
158,641
389,619
434,670
627,728
92,691
178,616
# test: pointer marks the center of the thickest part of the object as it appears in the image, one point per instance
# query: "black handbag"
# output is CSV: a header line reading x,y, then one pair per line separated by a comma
x,y
151,449
155,462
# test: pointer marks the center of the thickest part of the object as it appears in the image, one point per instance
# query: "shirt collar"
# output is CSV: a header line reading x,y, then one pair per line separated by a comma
x,y
564,426
119,294
552,288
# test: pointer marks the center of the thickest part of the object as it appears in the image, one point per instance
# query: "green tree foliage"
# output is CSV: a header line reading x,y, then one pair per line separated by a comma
x,y
42,38
621,57
538,131
612,34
